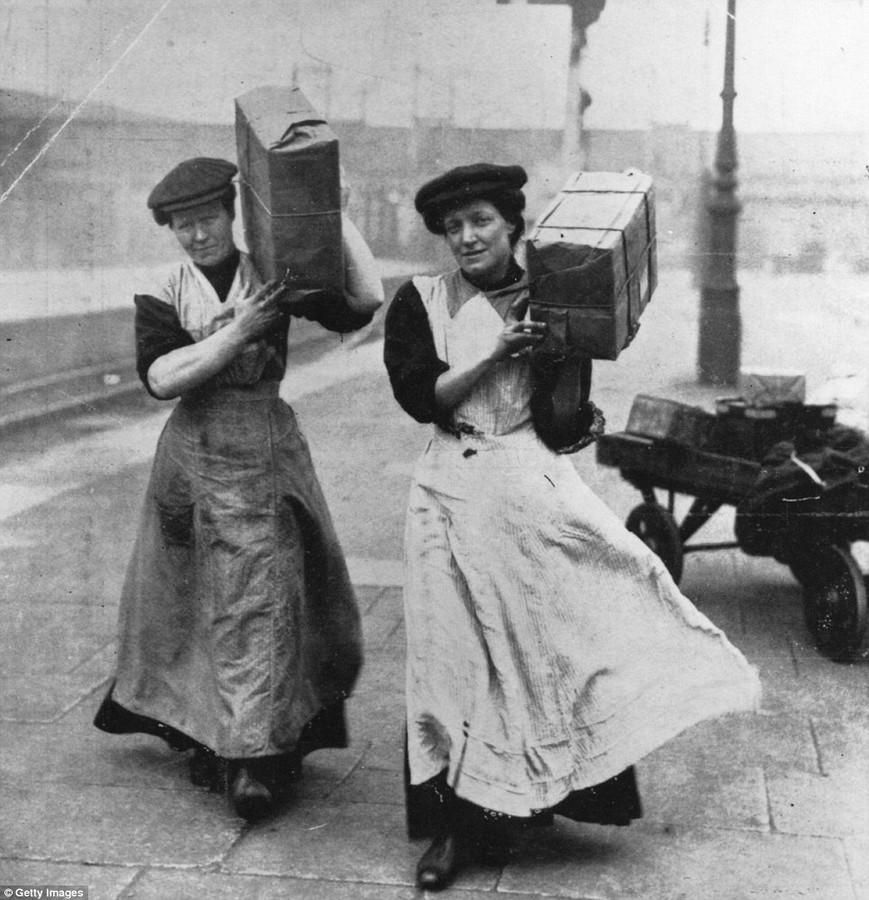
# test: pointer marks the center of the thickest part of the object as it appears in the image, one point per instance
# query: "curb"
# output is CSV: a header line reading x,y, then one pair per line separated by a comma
x,y
30,401
61,392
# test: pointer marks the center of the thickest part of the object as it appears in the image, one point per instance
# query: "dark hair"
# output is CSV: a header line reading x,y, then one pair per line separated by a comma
x,y
510,203
228,200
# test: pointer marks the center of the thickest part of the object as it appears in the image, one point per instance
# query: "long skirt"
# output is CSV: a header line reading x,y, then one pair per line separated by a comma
x,y
548,648
238,622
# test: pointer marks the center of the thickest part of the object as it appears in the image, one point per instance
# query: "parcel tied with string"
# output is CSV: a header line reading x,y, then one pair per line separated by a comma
x,y
290,188
592,265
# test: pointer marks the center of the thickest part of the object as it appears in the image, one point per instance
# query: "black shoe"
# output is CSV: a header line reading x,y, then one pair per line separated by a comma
x,y
278,773
250,798
438,866
207,770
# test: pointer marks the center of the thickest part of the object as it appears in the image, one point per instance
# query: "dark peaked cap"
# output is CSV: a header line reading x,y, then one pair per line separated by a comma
x,y
462,184
190,183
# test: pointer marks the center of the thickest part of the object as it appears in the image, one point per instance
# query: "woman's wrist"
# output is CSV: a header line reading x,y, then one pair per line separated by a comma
x,y
237,335
363,286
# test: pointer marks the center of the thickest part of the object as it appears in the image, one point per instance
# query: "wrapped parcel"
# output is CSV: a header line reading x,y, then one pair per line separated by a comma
x,y
591,263
763,386
669,420
290,188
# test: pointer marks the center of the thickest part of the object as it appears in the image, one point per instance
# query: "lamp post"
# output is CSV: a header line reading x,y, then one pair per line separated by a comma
x,y
718,355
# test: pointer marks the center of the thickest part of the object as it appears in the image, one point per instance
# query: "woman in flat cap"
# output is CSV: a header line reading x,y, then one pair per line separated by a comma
x,y
239,630
548,649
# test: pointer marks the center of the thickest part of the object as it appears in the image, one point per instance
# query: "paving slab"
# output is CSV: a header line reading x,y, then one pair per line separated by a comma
x,y
829,675
824,691
39,641
775,741
102,882
46,698
74,752
857,852
169,885
644,863
776,601
382,620
772,651
116,825
842,747
675,791
377,719
371,783
383,669
350,842
325,770
826,805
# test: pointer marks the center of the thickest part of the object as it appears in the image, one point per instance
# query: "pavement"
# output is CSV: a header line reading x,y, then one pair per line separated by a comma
x,y
769,806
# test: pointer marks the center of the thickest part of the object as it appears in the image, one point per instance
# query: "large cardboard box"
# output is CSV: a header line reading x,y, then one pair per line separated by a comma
x,y
290,188
592,265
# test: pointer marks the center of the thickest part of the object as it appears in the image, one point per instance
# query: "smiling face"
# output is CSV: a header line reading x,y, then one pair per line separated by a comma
x,y
479,238
205,232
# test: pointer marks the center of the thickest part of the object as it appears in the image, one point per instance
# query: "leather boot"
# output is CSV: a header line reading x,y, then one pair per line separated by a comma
x,y
439,865
207,769
250,798
278,773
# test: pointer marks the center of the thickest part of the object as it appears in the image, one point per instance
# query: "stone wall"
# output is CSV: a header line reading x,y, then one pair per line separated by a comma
x,y
83,202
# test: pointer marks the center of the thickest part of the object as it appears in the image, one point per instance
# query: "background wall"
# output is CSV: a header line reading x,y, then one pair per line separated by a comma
x,y
99,99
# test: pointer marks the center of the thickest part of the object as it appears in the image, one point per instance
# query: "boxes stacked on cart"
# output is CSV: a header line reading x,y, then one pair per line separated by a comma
x,y
766,387
751,431
736,428
668,420
770,408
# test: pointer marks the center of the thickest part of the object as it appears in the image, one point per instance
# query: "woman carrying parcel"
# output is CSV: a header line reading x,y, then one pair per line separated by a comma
x,y
239,630
548,648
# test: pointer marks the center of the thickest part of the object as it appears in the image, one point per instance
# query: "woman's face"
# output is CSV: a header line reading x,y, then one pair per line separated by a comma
x,y
205,232
479,238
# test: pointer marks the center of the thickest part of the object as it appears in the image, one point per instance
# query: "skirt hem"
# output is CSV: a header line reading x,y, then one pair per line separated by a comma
x,y
327,728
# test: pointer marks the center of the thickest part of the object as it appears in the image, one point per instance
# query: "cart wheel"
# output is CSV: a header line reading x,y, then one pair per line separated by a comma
x,y
834,602
658,530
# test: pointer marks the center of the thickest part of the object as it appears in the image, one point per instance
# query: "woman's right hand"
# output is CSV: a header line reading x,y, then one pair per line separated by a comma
x,y
518,333
256,313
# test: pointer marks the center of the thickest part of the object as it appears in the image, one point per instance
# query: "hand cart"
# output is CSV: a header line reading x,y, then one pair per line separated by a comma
x,y
818,540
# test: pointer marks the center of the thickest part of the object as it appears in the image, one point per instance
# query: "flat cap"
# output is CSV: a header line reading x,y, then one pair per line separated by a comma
x,y
466,183
190,183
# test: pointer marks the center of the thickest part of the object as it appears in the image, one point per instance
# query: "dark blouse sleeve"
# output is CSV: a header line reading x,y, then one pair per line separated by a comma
x,y
410,356
158,332
332,311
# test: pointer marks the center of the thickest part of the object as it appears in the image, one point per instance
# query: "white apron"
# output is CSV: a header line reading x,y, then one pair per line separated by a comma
x,y
238,621
548,648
